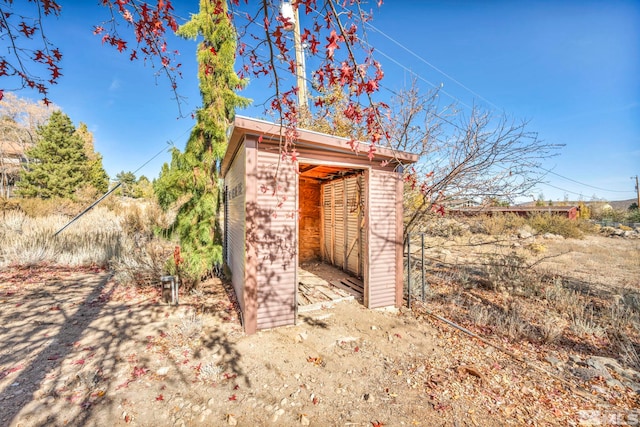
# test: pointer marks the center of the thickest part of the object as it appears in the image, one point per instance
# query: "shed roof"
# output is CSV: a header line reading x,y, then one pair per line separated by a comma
x,y
320,141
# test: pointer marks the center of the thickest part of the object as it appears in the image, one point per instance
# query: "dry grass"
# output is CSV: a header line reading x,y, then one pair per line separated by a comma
x,y
94,239
572,294
121,237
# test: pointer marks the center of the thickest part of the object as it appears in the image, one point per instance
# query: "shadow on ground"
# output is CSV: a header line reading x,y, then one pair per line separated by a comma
x,y
72,350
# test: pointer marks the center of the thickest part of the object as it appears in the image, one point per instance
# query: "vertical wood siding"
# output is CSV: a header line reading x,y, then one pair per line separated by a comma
x,y
383,239
309,225
353,213
327,222
275,216
235,208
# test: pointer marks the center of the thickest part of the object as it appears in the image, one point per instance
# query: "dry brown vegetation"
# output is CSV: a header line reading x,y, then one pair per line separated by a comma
x,y
508,278
121,235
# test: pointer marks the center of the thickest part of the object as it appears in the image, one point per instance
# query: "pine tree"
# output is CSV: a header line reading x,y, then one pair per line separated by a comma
x,y
58,162
96,175
192,178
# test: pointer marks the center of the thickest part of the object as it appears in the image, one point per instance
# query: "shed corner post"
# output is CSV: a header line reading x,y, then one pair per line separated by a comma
x,y
250,289
399,241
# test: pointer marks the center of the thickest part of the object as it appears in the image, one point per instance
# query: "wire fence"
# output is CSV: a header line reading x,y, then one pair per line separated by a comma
x,y
414,266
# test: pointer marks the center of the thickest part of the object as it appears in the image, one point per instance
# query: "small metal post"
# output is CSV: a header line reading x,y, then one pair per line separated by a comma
x,y
173,285
409,270
422,264
174,291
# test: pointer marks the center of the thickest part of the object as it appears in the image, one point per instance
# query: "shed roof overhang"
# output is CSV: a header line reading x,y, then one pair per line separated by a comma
x,y
322,142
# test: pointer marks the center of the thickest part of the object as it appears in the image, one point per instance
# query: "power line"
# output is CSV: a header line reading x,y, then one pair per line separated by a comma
x,y
582,183
374,28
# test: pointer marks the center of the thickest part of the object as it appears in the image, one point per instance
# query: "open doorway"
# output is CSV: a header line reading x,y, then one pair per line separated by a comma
x,y
331,234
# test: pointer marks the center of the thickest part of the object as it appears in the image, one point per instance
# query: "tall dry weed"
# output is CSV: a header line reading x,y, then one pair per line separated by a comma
x,y
102,237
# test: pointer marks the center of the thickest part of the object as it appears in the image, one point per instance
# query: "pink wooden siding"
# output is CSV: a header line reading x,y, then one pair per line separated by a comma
x,y
275,240
236,193
383,239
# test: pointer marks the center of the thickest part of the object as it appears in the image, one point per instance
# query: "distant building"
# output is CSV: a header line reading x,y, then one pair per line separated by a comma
x,y
12,159
570,212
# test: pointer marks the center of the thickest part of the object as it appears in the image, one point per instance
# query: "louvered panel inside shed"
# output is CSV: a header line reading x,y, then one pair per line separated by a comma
x,y
353,213
339,224
327,212
343,212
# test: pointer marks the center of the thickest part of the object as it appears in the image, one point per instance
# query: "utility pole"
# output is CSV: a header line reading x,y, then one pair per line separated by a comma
x,y
637,191
288,11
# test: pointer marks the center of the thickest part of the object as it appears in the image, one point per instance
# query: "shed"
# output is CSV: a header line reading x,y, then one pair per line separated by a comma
x,y
331,204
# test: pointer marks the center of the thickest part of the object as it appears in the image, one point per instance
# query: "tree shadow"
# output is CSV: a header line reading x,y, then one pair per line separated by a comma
x,y
75,348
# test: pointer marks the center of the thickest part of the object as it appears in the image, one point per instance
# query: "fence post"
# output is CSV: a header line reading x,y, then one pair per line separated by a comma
x,y
409,270
422,264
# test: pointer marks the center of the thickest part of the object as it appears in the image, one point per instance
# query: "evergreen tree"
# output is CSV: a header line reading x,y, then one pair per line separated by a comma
x,y
58,162
96,175
128,181
192,178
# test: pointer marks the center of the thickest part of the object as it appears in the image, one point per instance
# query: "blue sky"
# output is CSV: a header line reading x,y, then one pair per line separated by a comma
x,y
571,68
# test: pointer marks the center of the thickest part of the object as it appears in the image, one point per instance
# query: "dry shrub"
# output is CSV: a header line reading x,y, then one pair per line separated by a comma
x,y
556,224
585,323
563,300
445,227
552,329
505,321
141,264
36,208
511,273
498,224
186,333
92,240
8,204
100,237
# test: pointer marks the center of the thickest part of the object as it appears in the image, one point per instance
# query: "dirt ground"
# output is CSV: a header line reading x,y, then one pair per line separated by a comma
x,y
77,349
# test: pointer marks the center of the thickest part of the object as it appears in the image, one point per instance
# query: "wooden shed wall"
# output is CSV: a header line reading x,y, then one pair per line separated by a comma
x,y
385,242
275,240
235,222
309,226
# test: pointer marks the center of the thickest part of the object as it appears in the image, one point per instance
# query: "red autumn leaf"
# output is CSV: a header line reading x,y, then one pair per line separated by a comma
x,y
159,398
79,362
233,397
357,349
316,400
138,372
333,40
377,423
